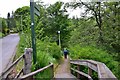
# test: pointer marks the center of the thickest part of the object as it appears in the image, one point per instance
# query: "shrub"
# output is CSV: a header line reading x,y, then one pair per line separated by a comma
x,y
51,48
46,52
43,59
92,53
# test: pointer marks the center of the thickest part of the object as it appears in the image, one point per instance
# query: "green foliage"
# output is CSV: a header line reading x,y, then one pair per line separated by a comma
x,y
4,29
87,31
49,48
46,53
104,28
83,32
92,53
1,34
0,24
22,18
23,11
53,19
43,59
100,29
22,45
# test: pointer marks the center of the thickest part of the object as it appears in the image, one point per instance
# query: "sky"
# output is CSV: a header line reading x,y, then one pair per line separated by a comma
x,y
11,5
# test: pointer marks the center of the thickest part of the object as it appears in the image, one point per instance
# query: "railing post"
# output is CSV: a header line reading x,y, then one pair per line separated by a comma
x,y
89,72
78,68
52,71
27,61
70,68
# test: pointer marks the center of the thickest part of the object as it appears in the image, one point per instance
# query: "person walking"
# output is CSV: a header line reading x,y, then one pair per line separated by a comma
x,y
65,53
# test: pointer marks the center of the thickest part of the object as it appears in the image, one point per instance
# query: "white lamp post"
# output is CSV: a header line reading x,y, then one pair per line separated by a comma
x,y
59,38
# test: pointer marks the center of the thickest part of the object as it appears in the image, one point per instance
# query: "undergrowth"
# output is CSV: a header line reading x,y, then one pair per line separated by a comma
x,y
92,53
47,52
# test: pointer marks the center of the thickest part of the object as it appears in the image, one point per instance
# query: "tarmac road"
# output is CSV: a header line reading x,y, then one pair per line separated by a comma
x,y
8,46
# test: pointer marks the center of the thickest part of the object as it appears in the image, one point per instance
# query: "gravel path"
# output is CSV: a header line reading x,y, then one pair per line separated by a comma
x,y
63,71
7,50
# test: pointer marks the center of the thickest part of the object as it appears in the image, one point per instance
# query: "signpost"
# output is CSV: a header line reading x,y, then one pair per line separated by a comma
x,y
33,9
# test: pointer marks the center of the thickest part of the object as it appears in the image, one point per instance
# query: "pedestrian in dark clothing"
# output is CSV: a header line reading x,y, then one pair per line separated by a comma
x,y
65,53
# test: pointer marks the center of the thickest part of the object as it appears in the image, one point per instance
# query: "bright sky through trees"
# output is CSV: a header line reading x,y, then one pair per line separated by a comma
x,y
11,5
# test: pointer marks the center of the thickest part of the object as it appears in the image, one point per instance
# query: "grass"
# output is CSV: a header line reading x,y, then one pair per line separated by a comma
x,y
20,51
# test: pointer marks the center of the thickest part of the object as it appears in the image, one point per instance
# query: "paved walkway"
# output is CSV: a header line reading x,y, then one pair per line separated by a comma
x,y
7,50
63,71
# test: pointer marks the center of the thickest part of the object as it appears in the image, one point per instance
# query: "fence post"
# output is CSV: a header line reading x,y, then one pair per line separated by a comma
x,y
89,72
78,68
27,61
52,71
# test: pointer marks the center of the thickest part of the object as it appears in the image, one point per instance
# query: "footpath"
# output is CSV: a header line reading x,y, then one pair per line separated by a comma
x,y
63,71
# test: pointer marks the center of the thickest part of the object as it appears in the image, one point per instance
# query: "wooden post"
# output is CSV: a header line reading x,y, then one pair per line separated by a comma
x,y
27,61
71,66
52,71
78,68
89,72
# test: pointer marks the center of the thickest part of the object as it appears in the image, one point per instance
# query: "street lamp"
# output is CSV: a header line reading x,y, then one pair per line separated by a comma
x,y
59,38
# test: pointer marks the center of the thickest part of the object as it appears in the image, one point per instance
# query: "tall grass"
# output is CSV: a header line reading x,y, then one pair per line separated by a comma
x,y
20,50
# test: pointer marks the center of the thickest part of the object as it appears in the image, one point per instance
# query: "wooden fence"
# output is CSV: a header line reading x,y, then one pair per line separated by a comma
x,y
25,72
103,71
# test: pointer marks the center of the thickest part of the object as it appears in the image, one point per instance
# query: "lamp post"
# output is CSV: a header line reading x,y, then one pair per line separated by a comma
x,y
59,38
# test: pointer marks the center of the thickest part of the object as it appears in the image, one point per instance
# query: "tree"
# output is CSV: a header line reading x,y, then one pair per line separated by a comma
x,y
22,17
53,19
102,12
8,20
5,29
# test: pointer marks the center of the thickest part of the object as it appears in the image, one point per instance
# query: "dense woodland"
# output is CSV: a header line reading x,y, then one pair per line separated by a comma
x,y
95,35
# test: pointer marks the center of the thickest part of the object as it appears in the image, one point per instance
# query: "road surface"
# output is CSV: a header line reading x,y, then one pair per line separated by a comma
x,y
8,46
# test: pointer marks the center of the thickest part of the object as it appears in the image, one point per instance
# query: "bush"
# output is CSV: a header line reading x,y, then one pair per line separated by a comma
x,y
1,35
51,48
46,52
92,53
43,60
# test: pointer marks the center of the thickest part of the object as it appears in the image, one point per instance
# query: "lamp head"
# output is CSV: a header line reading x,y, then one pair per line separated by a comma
x,y
58,32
